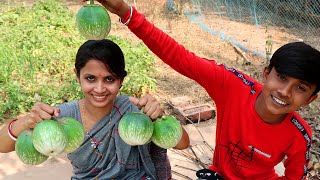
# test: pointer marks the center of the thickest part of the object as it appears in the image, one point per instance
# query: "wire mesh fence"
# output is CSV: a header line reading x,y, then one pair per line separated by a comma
x,y
254,25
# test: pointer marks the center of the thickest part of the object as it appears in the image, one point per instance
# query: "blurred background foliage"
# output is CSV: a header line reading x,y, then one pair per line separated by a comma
x,y
38,45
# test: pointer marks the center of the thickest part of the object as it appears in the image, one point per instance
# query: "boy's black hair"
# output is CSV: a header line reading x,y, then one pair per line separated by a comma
x,y
106,51
298,60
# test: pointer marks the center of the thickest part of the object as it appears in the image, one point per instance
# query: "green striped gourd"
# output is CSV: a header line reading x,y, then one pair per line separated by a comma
x,y
167,132
74,131
93,21
49,138
135,128
25,150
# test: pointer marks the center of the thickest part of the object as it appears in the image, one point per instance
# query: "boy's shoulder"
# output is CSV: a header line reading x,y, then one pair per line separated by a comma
x,y
239,74
299,118
300,124
238,77
301,132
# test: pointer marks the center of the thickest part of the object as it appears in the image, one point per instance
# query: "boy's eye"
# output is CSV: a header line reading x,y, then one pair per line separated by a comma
x,y
282,77
301,88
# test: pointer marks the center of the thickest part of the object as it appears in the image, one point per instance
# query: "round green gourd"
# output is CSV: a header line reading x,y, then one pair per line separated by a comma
x,y
75,133
25,150
93,21
49,138
135,128
167,132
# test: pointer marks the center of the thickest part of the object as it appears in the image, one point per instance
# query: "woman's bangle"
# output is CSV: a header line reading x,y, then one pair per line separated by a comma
x,y
11,135
128,20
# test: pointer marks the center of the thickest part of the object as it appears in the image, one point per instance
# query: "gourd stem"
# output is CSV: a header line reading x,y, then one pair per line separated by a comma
x,y
141,110
91,1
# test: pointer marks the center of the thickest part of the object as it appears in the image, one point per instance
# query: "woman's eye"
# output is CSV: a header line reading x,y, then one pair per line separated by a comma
x,y
90,78
110,79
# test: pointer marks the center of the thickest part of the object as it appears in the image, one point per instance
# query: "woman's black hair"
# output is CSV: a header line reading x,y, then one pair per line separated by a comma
x,y
106,51
298,60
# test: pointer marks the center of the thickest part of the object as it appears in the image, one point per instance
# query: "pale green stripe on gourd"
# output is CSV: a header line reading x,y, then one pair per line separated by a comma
x,y
25,150
93,22
135,128
49,138
74,131
167,132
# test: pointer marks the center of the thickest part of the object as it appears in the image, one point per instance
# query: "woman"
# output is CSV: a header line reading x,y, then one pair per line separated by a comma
x,y
100,71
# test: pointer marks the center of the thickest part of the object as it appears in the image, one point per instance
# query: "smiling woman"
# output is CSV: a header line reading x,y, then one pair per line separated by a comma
x,y
100,71
100,76
43,69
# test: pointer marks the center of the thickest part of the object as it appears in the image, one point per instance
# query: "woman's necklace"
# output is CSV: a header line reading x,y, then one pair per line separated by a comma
x,y
95,142
84,117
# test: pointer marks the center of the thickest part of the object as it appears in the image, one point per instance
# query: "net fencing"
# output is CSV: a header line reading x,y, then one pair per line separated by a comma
x,y
258,26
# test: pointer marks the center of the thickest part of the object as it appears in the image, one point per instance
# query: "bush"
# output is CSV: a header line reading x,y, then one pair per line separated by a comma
x,y
38,48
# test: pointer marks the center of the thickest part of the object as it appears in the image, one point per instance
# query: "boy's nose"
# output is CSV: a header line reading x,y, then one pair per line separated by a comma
x,y
286,90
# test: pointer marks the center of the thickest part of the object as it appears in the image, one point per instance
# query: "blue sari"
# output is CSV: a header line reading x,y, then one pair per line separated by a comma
x,y
103,154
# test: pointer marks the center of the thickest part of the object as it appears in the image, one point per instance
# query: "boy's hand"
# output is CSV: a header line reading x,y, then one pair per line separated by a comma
x,y
118,7
150,104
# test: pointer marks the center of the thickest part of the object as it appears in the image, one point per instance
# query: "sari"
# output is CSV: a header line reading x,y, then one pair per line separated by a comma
x,y
104,155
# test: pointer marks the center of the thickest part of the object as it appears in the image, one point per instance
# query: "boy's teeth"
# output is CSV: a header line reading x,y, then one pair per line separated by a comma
x,y
279,101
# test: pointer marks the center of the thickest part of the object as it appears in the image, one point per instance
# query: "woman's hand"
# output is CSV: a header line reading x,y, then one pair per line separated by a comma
x,y
184,141
39,112
152,108
150,104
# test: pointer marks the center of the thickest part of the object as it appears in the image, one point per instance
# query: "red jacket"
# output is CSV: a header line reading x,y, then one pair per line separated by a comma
x,y
246,147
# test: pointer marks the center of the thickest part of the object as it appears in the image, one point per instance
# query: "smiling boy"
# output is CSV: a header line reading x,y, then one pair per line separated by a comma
x,y
257,124
290,81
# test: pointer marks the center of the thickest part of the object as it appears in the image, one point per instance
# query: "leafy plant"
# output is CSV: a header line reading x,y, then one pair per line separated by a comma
x,y
38,48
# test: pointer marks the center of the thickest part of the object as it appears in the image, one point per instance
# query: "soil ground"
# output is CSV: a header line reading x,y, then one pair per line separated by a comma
x,y
182,164
171,84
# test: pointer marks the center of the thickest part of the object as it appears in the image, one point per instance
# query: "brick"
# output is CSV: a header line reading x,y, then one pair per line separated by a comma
x,y
195,112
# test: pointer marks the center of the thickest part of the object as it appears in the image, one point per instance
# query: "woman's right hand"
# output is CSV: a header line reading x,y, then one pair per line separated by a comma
x,y
39,112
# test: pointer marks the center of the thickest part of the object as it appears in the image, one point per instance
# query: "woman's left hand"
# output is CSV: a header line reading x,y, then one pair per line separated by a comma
x,y
153,110
150,104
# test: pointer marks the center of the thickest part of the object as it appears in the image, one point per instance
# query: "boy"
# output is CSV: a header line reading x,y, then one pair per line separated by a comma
x,y
257,125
